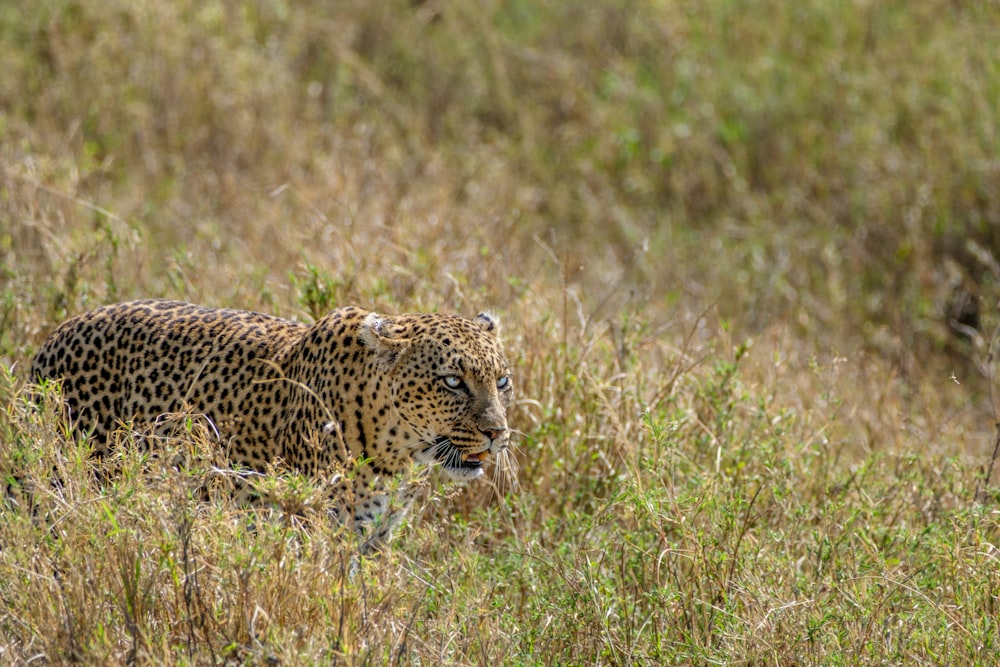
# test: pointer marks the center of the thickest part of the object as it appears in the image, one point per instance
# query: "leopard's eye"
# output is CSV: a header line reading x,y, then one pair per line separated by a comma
x,y
503,382
453,381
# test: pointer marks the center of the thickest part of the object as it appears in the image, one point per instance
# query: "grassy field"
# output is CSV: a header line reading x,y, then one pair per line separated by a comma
x,y
748,260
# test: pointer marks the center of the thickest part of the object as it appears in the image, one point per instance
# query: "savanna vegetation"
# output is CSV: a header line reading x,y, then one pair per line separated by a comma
x,y
747,256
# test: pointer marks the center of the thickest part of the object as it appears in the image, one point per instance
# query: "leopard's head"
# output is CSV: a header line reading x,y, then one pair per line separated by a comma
x,y
449,381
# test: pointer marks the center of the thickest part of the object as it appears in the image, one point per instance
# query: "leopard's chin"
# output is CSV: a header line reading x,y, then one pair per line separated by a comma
x,y
463,473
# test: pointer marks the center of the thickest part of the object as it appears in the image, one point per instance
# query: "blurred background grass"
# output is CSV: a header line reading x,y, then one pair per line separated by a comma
x,y
829,166
754,223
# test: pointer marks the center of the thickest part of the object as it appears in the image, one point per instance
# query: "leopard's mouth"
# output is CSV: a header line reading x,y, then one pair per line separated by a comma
x,y
475,460
452,458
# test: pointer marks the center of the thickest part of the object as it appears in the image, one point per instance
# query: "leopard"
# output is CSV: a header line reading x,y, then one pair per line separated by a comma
x,y
354,390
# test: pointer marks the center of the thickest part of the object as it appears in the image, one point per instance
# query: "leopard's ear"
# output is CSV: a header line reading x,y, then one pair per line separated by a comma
x,y
379,334
489,322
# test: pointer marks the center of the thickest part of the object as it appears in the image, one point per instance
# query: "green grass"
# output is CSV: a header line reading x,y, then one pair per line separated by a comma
x,y
727,241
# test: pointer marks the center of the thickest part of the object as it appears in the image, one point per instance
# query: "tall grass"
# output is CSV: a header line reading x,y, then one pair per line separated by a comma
x,y
746,256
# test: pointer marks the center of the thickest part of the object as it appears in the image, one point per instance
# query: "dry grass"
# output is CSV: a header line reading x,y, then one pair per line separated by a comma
x,y
734,247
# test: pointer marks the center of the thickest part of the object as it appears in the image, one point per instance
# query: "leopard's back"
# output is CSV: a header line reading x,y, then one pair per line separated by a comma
x,y
143,361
